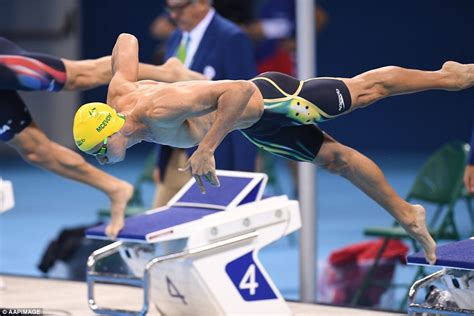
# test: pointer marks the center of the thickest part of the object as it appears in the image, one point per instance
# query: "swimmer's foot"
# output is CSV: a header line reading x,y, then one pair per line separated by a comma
x,y
461,75
119,198
180,72
416,228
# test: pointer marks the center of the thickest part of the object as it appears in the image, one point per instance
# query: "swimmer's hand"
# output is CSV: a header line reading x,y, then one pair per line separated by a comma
x,y
202,164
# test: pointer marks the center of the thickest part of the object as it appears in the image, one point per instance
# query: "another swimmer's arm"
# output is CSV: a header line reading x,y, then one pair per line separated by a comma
x,y
231,99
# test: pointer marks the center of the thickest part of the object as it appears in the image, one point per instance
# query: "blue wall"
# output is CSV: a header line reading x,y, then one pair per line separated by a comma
x,y
361,35
366,34
104,20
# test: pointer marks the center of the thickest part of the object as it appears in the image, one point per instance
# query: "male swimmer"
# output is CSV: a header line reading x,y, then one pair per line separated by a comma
x,y
31,71
276,112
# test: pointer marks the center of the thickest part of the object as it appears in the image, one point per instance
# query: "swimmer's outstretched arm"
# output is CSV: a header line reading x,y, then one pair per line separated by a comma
x,y
229,99
125,58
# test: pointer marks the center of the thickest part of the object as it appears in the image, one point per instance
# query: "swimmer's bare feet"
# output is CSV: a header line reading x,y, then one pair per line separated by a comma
x,y
119,198
180,72
416,228
462,74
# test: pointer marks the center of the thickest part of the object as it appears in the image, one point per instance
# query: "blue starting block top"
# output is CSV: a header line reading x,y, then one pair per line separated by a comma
x,y
189,204
142,226
236,188
456,255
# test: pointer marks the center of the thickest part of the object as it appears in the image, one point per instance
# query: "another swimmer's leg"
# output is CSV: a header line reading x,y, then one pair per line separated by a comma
x,y
173,180
365,175
37,149
380,83
88,73
91,73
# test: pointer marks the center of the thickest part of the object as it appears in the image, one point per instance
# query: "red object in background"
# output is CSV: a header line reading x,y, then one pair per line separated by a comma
x,y
280,61
348,266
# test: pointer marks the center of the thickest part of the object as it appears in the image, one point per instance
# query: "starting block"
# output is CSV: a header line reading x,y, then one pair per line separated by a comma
x,y
457,262
216,271
7,200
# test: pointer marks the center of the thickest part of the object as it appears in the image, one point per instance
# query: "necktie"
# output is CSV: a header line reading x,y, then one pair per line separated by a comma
x,y
183,46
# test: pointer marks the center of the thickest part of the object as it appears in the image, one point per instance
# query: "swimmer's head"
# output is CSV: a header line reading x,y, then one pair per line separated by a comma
x,y
93,123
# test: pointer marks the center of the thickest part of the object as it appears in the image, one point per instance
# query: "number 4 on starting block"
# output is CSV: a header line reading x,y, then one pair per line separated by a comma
x,y
248,279
173,291
217,270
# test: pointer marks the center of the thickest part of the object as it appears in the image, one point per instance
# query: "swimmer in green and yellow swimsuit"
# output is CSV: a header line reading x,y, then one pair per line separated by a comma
x,y
292,108
276,112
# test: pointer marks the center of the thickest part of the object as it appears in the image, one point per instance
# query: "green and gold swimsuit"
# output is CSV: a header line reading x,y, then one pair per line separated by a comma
x,y
292,108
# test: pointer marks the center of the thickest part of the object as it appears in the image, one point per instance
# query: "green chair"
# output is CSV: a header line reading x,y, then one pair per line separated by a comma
x,y
438,183
136,205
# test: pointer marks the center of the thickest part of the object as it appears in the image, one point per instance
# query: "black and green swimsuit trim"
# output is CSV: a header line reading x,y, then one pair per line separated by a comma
x,y
292,108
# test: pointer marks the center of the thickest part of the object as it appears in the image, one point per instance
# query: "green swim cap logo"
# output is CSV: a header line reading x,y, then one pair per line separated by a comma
x,y
80,142
93,112
104,123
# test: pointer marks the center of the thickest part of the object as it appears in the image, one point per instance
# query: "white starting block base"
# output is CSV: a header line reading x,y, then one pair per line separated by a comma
x,y
60,297
7,200
217,270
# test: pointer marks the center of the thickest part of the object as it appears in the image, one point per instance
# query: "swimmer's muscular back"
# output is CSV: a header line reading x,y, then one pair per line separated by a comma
x,y
197,101
186,108
187,104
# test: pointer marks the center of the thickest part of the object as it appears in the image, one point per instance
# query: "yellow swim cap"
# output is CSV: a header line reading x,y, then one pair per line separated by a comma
x,y
93,123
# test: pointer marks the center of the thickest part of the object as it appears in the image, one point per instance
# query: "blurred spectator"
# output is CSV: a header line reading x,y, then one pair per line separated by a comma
x,y
210,44
273,32
238,11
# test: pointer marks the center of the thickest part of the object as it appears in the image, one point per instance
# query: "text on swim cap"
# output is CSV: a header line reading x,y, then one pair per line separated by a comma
x,y
80,142
104,123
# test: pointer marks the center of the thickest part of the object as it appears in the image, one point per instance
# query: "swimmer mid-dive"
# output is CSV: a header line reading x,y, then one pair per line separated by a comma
x,y
31,71
276,112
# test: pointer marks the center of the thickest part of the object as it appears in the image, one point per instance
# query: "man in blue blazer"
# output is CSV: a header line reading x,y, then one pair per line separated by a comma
x,y
212,45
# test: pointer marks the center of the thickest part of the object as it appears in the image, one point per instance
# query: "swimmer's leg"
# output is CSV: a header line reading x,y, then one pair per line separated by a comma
x,y
173,179
23,70
91,73
88,73
380,83
37,149
368,177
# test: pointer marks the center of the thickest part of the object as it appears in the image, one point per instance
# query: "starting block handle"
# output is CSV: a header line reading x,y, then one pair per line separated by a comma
x,y
414,308
197,250
111,278
95,277
422,283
